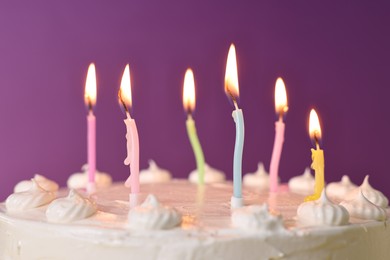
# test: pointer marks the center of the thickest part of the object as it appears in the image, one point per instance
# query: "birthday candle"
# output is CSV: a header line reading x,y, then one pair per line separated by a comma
x,y
232,90
132,158
317,155
281,108
90,100
189,106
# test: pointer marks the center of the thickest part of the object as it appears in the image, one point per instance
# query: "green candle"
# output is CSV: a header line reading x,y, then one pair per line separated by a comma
x,y
189,106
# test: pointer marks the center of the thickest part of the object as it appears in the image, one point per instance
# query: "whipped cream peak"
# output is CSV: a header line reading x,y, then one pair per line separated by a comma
x,y
322,212
211,175
257,218
362,208
340,189
154,174
302,184
260,178
35,197
152,215
80,180
45,183
71,208
373,195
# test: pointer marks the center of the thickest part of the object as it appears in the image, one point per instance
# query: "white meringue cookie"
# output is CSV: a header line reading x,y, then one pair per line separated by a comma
x,y
322,212
71,208
373,195
80,180
257,218
43,182
302,184
154,174
152,215
340,189
211,175
360,207
35,197
259,179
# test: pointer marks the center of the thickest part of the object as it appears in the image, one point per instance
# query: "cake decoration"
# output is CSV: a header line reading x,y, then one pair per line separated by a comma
x,y
45,183
259,179
258,219
373,195
302,184
153,215
340,189
211,175
154,174
360,207
35,197
80,180
322,212
71,208
281,108
189,99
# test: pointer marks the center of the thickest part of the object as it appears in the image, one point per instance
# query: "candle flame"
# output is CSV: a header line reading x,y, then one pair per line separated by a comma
x,y
280,97
90,87
125,89
189,91
314,126
231,75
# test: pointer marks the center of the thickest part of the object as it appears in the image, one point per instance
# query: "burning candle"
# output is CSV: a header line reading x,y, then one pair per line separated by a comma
x,y
280,108
232,90
132,158
317,156
189,107
90,100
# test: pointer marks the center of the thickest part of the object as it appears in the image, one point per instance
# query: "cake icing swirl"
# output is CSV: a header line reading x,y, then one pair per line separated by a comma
x,y
302,184
71,208
259,179
151,215
154,174
322,212
45,183
340,189
211,175
257,218
360,207
79,180
35,197
373,195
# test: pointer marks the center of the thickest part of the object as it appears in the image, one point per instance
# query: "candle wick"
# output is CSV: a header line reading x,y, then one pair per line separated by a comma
x,y
233,98
281,115
123,103
317,142
90,107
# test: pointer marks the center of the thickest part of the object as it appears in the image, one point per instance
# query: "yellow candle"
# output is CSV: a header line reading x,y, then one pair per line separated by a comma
x,y
317,156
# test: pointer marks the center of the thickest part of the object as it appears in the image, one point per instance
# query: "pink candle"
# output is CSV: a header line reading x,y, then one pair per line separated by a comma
x,y
90,100
281,108
132,158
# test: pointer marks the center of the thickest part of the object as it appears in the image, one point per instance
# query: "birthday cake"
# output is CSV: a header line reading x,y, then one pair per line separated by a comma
x,y
181,220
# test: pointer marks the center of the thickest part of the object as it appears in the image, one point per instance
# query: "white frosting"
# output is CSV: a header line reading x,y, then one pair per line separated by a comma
x,y
373,195
45,183
152,215
211,175
154,174
302,184
340,189
360,207
322,212
35,197
258,179
258,219
71,208
79,180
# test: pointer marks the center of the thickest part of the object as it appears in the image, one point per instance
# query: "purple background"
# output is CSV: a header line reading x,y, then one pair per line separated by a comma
x,y
332,56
